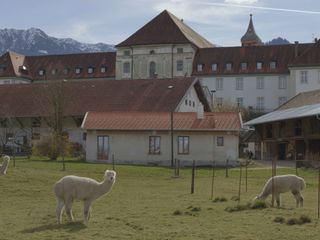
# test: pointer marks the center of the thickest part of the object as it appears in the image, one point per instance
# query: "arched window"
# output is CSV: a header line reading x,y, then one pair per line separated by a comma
x,y
152,69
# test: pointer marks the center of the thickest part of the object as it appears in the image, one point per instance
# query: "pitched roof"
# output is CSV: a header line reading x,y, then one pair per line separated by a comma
x,y
217,121
31,100
302,99
250,37
14,62
165,29
310,57
281,54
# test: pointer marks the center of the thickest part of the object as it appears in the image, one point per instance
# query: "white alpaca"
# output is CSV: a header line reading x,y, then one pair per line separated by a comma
x,y
282,184
71,188
4,166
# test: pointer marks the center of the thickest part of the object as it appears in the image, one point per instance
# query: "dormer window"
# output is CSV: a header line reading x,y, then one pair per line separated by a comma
x,y
273,65
65,71
126,52
152,52
90,70
244,66
199,67
53,71
214,67
259,65
228,66
179,50
103,69
78,70
41,72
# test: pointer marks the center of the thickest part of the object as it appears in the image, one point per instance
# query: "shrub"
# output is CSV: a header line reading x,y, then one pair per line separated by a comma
x,y
258,205
196,209
235,198
292,221
177,212
279,219
304,219
219,199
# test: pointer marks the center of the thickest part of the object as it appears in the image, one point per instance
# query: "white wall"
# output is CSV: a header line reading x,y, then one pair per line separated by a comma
x,y
229,93
190,102
9,80
313,79
132,147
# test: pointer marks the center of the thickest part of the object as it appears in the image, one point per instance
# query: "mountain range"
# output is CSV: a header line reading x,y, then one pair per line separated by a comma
x,y
34,41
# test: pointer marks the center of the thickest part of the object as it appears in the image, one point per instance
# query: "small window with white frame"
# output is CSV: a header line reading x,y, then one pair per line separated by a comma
x,y
183,144
103,69
126,52
239,83
282,82
244,66
304,77
126,67
66,71
260,104
214,67
180,65
154,144
229,66
282,100
220,141
199,67
78,70
273,65
239,102
260,82
259,65
41,72
90,70
219,83
54,71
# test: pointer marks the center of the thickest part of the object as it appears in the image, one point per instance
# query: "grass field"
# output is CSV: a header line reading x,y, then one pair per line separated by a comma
x,y
147,203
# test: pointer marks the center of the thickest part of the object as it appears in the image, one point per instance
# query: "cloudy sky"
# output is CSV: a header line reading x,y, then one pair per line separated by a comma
x,y
222,22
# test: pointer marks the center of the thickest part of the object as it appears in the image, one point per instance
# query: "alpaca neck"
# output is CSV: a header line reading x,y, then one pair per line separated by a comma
x,y
105,187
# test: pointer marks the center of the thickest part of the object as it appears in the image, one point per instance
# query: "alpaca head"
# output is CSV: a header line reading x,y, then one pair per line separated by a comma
x,y
110,175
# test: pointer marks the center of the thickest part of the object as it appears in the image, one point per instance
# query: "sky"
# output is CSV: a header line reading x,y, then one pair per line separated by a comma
x,y
222,22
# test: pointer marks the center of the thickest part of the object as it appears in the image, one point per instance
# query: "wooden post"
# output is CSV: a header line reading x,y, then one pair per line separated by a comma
x,y
192,177
227,169
247,175
171,133
318,192
113,163
178,170
273,169
213,175
240,178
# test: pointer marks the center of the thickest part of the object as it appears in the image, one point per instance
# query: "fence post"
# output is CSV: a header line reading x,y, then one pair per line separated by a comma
x,y
247,175
113,164
318,192
213,175
239,192
192,177
227,167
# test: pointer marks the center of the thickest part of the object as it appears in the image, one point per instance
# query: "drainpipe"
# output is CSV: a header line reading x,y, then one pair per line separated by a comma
x,y
296,48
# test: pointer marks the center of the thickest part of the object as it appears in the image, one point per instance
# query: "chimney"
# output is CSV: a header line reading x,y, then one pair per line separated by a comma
x,y
200,112
296,46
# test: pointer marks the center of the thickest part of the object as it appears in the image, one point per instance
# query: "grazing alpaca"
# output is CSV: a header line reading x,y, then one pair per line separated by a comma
x,y
4,166
71,188
282,184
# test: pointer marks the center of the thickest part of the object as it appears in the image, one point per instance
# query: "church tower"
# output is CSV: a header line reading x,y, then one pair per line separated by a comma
x,y
250,38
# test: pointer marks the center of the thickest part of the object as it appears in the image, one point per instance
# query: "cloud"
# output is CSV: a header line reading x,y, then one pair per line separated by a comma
x,y
241,1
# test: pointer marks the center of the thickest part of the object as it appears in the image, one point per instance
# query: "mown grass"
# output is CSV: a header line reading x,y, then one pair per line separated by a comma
x,y
147,203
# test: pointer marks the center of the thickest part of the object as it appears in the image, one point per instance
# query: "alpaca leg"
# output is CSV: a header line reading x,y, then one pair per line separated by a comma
x,y
299,199
59,210
69,210
86,211
278,199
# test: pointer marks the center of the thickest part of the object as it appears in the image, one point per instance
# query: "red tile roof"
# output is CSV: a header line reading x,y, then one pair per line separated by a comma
x,y
281,54
165,29
310,57
48,63
31,100
213,121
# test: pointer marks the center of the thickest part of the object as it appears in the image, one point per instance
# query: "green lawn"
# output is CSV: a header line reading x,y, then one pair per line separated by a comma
x,y
142,205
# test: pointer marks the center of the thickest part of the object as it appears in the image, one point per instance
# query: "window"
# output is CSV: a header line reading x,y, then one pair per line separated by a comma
x,y
78,70
186,101
152,52
126,67
189,102
304,77
179,50
219,101
2,68
220,141
244,66
239,83
154,144
183,145
84,136
260,83
54,71
199,67
180,65
219,83
259,65
90,70
273,65
239,101
6,82
214,67
35,122
103,147
282,82
260,104
228,66
41,72
152,69
65,71
193,104
298,127
282,100
103,69
126,52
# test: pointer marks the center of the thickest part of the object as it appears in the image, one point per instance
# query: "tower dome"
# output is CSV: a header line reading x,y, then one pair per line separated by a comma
x,y
250,38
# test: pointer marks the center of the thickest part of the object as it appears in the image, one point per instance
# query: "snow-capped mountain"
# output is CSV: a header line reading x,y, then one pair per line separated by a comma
x,y
34,41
